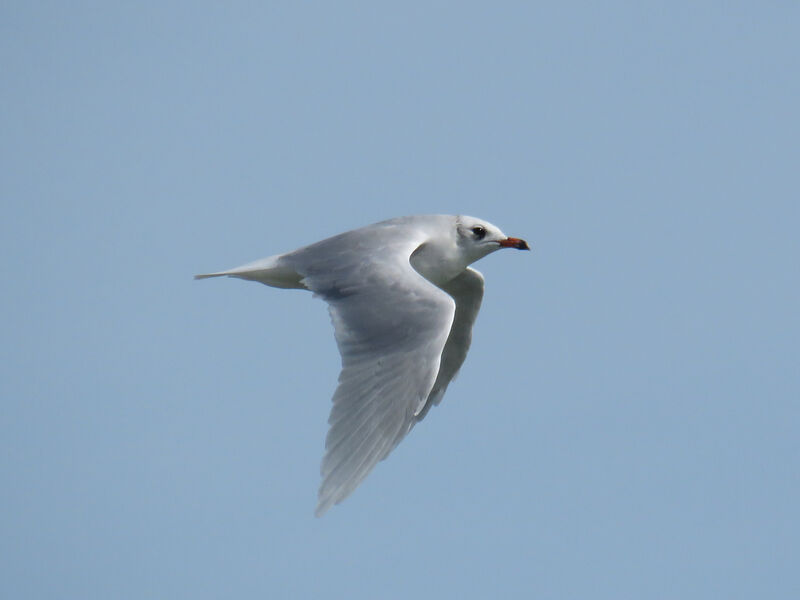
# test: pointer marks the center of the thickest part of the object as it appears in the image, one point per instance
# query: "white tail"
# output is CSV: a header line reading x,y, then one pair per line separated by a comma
x,y
269,271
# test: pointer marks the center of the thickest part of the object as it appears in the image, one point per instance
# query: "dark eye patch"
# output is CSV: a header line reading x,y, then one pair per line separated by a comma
x,y
479,231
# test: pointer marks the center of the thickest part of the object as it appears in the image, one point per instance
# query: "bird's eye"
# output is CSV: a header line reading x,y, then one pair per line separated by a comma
x,y
479,231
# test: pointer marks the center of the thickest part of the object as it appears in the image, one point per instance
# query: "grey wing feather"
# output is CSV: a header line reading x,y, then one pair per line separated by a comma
x,y
391,325
467,291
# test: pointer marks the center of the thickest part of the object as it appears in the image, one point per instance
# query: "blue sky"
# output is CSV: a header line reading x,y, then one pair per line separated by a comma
x,y
626,424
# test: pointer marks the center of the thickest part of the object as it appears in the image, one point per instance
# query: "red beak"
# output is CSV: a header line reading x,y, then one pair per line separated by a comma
x,y
514,243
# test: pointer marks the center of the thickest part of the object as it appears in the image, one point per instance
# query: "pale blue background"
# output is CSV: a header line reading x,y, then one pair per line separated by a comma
x,y
626,425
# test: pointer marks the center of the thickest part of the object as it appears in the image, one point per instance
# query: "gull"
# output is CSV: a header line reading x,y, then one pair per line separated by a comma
x,y
403,299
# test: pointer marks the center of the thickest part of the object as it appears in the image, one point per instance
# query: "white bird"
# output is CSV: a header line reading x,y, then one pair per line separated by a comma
x,y
403,300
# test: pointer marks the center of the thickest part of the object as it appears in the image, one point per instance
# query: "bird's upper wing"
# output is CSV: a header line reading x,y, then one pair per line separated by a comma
x,y
467,291
391,325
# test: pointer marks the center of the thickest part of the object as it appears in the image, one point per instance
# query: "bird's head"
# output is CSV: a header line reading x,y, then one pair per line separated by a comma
x,y
477,238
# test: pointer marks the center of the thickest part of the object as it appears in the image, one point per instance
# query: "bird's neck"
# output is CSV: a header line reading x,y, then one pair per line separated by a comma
x,y
438,262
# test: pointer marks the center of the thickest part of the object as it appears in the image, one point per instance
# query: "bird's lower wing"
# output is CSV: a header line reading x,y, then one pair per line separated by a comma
x,y
467,291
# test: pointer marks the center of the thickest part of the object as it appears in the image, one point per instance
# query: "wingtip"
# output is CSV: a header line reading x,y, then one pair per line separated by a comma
x,y
322,508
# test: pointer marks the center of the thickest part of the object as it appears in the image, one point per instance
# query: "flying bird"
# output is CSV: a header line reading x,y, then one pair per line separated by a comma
x,y
403,300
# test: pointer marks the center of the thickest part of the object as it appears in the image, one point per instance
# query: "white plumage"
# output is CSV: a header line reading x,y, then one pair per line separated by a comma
x,y
403,301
